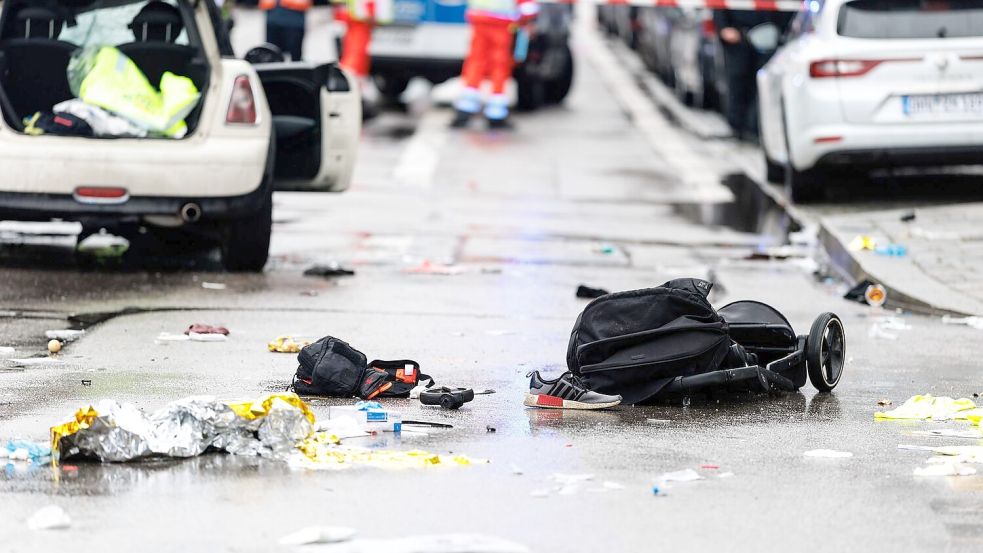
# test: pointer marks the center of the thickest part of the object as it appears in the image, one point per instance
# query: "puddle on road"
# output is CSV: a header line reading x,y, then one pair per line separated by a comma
x,y
752,211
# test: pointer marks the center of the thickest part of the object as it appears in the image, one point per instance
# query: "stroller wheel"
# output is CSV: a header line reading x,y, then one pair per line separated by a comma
x,y
826,352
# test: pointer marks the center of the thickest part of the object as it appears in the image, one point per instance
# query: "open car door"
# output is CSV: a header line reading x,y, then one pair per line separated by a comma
x,y
317,119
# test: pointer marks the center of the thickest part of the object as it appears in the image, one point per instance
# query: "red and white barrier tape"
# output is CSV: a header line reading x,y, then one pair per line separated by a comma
x,y
762,5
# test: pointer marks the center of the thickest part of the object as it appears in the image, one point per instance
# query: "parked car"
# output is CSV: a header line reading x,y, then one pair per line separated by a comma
x,y
256,128
655,25
693,52
863,84
430,39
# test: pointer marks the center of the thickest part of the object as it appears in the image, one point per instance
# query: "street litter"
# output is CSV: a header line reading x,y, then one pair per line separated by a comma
x,y
586,292
945,469
685,475
884,402
438,543
286,344
35,362
103,245
908,217
332,269
64,335
567,484
213,286
962,453
321,452
828,453
862,242
109,431
974,322
868,292
891,250
51,517
429,268
447,398
54,346
23,450
200,329
883,325
950,433
318,534
925,407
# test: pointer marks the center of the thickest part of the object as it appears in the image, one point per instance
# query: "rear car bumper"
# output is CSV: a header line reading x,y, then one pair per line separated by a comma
x,y
936,156
226,178
434,70
898,145
42,207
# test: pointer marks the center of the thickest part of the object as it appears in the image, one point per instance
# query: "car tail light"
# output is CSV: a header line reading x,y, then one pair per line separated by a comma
x,y
101,194
242,106
847,68
709,28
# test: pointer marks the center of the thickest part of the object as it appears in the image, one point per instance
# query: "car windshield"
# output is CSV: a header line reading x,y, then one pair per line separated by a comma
x,y
899,19
116,22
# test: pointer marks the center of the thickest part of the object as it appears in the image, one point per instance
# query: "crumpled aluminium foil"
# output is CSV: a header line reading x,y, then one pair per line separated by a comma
x,y
115,432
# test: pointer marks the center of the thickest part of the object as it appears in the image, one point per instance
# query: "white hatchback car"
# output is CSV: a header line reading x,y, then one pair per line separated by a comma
x,y
256,128
873,84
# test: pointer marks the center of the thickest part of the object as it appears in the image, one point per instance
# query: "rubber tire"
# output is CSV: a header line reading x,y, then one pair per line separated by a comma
x,y
814,352
531,92
774,172
391,87
803,187
246,241
556,90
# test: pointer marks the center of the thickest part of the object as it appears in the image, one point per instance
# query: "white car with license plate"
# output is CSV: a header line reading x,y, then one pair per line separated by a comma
x,y
257,127
867,84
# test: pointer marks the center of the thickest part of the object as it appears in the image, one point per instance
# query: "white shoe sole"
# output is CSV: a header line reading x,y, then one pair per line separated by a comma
x,y
534,400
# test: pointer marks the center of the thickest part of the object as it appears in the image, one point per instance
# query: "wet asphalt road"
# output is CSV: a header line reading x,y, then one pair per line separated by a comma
x,y
526,217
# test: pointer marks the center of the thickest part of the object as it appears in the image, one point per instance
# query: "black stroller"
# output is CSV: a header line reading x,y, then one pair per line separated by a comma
x,y
665,342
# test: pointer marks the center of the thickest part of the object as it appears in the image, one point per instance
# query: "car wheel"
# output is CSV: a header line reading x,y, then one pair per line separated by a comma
x,y
246,241
803,186
531,91
774,172
555,90
391,87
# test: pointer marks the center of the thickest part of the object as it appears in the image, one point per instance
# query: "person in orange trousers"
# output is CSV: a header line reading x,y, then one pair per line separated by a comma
x,y
360,17
493,26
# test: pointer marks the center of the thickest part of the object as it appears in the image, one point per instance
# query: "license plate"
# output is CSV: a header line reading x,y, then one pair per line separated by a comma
x,y
393,36
942,104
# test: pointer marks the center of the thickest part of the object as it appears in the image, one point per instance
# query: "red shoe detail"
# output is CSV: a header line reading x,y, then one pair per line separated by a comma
x,y
549,401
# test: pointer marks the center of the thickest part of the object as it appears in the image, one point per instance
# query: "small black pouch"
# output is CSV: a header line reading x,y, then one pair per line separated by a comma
x,y
329,367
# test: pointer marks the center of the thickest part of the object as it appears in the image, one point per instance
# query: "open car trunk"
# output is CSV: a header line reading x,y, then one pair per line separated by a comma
x,y
38,39
316,120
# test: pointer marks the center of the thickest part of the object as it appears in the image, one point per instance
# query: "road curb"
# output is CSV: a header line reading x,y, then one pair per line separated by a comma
x,y
907,287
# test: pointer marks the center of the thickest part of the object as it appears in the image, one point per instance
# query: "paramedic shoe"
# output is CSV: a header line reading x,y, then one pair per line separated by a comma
x,y
461,119
501,125
566,392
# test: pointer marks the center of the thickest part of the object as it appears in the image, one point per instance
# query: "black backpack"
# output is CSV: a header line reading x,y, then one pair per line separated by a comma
x,y
635,343
332,368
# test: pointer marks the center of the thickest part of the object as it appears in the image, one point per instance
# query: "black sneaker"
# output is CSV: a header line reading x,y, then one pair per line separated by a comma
x,y
566,392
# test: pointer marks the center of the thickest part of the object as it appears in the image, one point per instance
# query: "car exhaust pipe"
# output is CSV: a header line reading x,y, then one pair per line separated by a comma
x,y
190,213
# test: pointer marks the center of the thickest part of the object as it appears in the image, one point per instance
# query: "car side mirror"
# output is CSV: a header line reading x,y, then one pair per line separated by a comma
x,y
265,53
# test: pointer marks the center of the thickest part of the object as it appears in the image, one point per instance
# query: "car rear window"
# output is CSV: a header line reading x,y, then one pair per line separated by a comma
x,y
111,22
899,19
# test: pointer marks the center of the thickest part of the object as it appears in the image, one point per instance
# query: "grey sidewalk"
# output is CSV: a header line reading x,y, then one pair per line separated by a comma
x,y
943,269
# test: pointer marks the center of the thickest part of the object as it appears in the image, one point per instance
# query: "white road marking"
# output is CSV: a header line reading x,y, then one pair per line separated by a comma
x,y
672,145
417,164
